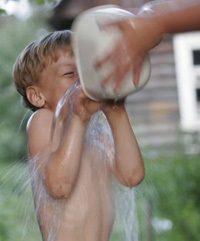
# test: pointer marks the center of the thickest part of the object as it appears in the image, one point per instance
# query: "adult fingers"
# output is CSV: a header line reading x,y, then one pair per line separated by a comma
x,y
120,74
109,55
136,72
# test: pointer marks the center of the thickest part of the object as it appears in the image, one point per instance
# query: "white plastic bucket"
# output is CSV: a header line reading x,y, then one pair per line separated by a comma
x,y
91,43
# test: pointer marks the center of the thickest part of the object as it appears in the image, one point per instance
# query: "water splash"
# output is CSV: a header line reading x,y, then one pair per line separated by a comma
x,y
99,143
17,204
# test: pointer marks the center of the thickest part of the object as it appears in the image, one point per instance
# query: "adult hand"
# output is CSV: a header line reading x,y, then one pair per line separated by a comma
x,y
139,35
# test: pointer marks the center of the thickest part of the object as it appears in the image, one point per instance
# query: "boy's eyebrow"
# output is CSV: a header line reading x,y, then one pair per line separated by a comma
x,y
69,65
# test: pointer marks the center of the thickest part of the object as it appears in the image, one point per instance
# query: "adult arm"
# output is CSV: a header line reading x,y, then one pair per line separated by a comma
x,y
144,31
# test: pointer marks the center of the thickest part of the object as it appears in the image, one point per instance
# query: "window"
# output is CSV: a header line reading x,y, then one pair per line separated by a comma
x,y
187,62
196,57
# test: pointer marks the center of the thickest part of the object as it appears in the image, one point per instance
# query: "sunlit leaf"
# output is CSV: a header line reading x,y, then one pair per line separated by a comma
x,y
40,1
2,11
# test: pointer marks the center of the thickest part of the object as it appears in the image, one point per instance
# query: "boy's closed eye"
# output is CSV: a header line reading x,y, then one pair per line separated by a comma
x,y
70,73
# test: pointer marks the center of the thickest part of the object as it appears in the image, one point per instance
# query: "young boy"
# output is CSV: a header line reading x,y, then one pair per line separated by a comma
x,y
70,159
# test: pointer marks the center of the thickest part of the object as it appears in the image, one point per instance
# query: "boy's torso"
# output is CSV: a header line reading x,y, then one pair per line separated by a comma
x,y
87,215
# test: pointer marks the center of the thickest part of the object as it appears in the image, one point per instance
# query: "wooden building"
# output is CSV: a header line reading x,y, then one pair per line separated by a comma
x,y
166,112
154,110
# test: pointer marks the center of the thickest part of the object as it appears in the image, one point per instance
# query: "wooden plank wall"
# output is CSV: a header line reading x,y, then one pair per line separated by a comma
x,y
154,111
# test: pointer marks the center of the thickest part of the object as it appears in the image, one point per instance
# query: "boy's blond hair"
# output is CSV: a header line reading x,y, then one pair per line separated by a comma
x,y
35,57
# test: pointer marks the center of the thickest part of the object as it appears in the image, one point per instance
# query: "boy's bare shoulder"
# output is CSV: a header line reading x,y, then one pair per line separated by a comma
x,y
40,118
39,130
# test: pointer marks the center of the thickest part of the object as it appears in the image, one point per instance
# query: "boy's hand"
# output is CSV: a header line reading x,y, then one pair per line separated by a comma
x,y
83,107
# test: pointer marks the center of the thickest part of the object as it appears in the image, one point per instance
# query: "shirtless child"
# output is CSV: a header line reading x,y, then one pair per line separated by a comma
x,y
74,165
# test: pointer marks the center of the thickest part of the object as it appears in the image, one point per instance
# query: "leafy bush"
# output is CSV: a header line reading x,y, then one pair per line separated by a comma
x,y
172,185
17,217
15,35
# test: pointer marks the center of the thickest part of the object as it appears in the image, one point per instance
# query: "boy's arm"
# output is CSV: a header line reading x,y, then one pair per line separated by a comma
x,y
59,161
128,166
58,166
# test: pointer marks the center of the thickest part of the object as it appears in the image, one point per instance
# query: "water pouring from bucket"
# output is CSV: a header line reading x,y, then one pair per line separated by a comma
x,y
90,42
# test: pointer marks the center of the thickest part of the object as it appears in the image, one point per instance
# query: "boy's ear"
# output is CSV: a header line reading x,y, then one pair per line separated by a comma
x,y
35,97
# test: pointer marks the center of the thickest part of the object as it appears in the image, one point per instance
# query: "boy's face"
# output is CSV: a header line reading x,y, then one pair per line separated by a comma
x,y
56,78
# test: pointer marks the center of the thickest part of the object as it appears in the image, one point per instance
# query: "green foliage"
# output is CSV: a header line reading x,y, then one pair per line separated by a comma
x,y
17,219
40,2
2,11
172,185
15,35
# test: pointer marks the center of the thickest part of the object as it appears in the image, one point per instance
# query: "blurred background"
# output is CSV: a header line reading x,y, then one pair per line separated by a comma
x,y
165,116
